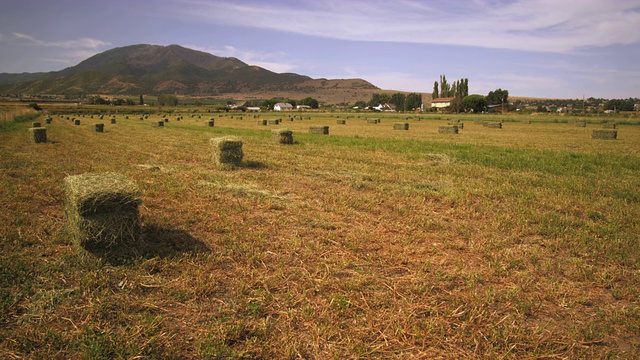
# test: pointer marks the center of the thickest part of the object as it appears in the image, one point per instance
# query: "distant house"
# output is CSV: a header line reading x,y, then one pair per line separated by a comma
x,y
440,103
385,107
253,108
282,107
303,107
237,105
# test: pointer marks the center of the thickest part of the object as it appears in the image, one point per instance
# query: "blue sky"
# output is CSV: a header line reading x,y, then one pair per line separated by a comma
x,y
539,48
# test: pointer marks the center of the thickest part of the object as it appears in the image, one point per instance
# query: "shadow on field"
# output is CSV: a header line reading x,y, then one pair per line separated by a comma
x,y
156,241
249,164
165,242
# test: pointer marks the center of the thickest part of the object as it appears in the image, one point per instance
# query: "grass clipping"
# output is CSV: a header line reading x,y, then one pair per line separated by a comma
x,y
227,152
102,210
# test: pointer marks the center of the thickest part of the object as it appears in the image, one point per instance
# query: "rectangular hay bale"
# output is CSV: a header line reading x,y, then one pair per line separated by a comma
x,y
324,130
227,151
447,129
400,126
604,134
39,134
102,210
282,136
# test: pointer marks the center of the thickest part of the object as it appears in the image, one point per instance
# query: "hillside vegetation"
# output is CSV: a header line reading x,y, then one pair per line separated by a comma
x,y
369,242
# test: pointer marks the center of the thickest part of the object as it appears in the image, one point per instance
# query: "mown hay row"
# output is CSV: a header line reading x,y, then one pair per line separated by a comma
x,y
227,152
605,134
102,210
447,129
282,136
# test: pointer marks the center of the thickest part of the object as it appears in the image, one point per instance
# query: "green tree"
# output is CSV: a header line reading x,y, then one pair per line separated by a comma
x,y
413,101
361,104
268,104
436,92
476,103
167,100
377,99
141,102
456,105
309,101
497,97
398,100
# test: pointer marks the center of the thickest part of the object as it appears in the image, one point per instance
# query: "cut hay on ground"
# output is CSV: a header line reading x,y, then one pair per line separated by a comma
x,y
227,152
102,210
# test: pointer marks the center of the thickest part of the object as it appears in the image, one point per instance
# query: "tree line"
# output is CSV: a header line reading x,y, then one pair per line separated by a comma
x,y
403,102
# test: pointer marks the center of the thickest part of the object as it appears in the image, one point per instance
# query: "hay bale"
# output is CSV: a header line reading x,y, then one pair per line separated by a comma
x,y
227,152
400,126
526,121
493,124
478,121
274,122
157,124
581,124
39,134
262,122
36,124
608,125
324,130
605,134
98,127
113,121
77,122
48,120
210,123
341,122
373,121
102,210
447,129
282,136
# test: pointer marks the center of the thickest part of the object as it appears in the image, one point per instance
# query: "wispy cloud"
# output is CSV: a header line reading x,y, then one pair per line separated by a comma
x,y
274,61
82,43
540,26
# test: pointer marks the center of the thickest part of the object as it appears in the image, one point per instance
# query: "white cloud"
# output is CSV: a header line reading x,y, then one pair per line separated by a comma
x,y
274,61
82,43
541,25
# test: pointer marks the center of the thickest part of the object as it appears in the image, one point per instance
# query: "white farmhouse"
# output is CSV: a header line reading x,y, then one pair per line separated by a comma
x,y
282,107
440,103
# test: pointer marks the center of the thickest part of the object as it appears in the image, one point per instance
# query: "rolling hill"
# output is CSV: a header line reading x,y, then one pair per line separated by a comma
x,y
155,69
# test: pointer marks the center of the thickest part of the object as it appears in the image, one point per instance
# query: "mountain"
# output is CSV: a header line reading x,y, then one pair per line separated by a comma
x,y
154,69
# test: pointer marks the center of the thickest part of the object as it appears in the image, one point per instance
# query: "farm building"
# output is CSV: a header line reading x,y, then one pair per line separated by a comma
x,y
385,107
440,103
282,107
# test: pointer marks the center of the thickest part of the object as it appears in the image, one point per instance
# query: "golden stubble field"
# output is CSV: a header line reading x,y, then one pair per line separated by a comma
x,y
369,242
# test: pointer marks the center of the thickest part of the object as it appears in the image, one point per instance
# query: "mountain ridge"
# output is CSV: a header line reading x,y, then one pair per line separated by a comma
x,y
154,69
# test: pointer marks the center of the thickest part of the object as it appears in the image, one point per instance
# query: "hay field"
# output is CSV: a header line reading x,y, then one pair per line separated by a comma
x,y
369,242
